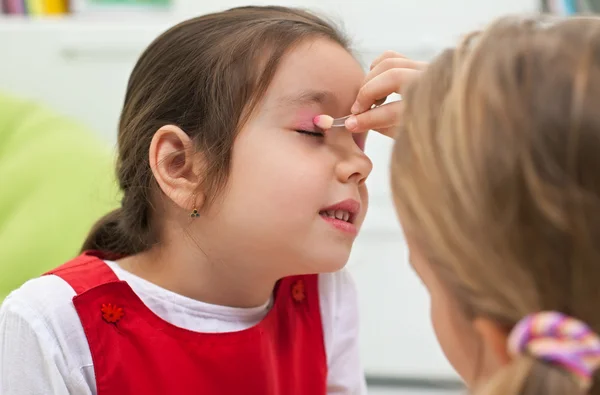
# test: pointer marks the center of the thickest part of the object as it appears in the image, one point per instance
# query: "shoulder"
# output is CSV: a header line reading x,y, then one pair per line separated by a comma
x,y
45,308
47,296
43,340
339,307
337,289
340,317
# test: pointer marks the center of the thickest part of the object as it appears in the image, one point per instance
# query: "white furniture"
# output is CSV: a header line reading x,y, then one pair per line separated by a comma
x,y
80,65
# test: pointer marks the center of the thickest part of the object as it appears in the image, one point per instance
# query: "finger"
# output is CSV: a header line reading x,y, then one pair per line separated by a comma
x,y
386,83
390,63
390,132
385,55
394,63
384,118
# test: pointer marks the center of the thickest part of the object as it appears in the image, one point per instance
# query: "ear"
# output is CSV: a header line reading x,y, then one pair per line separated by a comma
x,y
177,166
495,338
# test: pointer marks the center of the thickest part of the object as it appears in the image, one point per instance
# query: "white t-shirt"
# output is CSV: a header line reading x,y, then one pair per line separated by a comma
x,y
44,350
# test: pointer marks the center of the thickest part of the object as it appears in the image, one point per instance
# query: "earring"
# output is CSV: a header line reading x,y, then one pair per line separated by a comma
x,y
195,213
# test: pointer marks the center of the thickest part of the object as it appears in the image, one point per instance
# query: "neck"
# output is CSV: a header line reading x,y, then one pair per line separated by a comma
x,y
199,276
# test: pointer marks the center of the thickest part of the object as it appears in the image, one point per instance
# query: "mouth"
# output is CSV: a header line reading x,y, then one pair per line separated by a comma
x,y
342,215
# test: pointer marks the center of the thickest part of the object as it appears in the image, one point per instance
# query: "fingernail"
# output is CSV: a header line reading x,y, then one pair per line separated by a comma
x,y
351,123
355,108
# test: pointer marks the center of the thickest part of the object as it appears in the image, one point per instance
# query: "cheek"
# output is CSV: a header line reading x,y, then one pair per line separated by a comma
x,y
364,199
456,335
277,176
454,331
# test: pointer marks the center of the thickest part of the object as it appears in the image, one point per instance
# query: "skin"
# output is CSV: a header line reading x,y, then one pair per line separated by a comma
x,y
476,348
266,225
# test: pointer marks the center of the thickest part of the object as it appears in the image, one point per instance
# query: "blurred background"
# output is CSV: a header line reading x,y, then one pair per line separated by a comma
x,y
64,66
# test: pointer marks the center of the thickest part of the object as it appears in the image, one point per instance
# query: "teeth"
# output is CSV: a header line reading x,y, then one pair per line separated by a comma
x,y
338,214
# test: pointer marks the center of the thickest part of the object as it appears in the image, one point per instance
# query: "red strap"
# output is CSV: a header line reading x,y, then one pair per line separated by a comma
x,y
85,272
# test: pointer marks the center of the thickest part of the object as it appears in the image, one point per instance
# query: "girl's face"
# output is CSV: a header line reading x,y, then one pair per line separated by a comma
x,y
462,343
287,176
453,330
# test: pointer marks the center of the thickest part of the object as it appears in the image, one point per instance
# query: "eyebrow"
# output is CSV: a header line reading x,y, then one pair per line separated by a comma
x,y
309,96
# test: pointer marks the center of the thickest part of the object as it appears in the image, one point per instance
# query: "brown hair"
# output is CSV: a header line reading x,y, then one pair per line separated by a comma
x,y
205,75
496,177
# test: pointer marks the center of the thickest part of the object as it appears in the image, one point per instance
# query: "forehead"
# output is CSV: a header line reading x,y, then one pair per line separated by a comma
x,y
319,71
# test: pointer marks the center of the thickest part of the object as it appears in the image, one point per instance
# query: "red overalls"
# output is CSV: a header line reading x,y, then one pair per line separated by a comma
x,y
135,352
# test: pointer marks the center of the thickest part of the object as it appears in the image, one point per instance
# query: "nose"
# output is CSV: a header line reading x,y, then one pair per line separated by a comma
x,y
353,165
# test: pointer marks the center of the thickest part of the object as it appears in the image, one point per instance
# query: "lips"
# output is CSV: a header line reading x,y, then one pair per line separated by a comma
x,y
345,211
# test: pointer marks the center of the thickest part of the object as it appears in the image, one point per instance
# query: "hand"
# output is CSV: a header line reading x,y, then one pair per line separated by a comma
x,y
389,73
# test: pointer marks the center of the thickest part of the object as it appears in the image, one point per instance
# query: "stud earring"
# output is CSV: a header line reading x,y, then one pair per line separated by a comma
x,y
194,213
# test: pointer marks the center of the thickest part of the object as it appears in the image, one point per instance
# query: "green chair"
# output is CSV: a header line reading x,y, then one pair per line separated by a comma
x,y
56,180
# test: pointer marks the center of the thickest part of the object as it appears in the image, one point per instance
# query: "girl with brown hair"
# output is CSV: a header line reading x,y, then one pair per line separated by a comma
x,y
221,272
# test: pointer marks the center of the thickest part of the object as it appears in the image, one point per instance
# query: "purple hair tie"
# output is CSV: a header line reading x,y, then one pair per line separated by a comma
x,y
558,339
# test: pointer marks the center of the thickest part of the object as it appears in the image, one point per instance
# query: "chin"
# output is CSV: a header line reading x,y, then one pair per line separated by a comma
x,y
330,261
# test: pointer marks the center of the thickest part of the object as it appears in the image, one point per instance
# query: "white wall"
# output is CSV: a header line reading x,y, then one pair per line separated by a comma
x,y
385,24
81,67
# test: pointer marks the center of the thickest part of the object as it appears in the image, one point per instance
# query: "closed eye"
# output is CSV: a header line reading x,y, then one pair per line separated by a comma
x,y
308,133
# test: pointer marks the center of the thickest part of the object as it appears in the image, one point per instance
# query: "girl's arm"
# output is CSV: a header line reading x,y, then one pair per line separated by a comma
x,y
339,313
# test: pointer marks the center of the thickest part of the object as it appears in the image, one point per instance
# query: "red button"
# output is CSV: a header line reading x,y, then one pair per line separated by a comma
x,y
112,313
298,291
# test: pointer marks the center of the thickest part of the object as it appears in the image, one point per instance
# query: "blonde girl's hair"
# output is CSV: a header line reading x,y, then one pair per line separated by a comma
x,y
496,178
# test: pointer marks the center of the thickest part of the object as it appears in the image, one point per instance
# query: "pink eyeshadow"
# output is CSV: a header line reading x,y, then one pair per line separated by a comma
x,y
304,119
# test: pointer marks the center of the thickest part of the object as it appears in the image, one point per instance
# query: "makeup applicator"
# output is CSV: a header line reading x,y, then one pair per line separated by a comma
x,y
327,122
